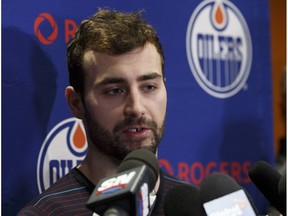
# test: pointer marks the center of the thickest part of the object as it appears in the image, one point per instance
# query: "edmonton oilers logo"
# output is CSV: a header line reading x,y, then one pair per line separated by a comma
x,y
64,148
219,48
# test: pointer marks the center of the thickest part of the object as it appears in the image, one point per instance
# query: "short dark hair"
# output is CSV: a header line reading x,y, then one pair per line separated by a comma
x,y
111,32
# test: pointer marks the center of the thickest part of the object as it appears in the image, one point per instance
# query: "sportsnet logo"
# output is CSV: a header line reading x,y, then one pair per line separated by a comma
x,y
115,183
64,147
219,48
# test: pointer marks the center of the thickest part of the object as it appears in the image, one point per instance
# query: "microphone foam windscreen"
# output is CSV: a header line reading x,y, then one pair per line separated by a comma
x,y
183,200
266,179
138,158
282,187
217,185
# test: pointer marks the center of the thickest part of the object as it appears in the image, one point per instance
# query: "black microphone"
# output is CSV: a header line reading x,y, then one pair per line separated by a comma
x,y
127,192
283,192
270,182
222,195
183,200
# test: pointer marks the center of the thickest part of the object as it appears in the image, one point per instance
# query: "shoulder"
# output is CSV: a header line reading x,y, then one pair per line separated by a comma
x,y
67,192
171,181
167,182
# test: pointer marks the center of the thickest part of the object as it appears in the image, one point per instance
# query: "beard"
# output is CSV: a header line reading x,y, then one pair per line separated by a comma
x,y
113,145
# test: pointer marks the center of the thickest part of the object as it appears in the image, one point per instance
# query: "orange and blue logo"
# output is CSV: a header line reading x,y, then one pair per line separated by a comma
x,y
64,148
48,38
219,48
46,29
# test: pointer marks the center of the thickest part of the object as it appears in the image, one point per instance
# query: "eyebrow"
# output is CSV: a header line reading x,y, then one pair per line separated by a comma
x,y
116,80
150,76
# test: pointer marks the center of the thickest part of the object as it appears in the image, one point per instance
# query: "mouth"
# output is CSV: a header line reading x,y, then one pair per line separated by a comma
x,y
136,131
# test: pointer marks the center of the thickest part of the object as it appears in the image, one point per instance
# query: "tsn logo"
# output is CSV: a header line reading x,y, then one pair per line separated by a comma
x,y
116,182
47,31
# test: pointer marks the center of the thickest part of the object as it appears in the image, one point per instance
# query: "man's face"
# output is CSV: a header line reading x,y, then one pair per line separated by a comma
x,y
124,101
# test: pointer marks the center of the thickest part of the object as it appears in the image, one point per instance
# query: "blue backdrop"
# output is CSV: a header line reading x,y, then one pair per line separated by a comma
x,y
218,70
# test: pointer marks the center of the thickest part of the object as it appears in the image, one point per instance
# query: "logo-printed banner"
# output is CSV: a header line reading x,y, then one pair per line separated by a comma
x,y
218,72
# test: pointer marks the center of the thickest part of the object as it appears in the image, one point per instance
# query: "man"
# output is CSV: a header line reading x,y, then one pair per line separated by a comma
x,y
117,87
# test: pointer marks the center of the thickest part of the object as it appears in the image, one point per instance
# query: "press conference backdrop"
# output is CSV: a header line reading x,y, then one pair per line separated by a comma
x,y
218,71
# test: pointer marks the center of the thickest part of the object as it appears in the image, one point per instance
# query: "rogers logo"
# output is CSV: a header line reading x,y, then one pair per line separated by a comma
x,y
46,28
43,17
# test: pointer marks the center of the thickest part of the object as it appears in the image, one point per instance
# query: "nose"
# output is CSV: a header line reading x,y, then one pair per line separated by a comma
x,y
134,106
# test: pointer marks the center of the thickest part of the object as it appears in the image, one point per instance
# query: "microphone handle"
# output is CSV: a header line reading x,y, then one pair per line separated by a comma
x,y
115,211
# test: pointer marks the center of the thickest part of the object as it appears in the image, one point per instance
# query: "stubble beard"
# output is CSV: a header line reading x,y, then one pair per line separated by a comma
x,y
112,144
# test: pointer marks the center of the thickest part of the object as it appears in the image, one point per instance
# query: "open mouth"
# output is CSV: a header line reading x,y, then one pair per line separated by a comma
x,y
135,130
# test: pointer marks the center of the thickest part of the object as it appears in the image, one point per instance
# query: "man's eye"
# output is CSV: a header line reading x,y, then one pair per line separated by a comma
x,y
114,91
150,88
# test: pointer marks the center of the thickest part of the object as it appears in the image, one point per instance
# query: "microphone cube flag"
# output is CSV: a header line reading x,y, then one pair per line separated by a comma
x,y
127,190
235,203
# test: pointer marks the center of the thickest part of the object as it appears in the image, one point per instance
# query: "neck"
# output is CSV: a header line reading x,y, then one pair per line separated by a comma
x,y
98,165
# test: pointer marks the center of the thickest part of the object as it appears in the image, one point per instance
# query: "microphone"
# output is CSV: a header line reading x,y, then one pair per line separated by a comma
x,y
282,191
270,182
222,195
183,200
127,192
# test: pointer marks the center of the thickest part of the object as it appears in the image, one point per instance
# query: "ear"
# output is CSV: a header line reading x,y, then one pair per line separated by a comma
x,y
74,101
